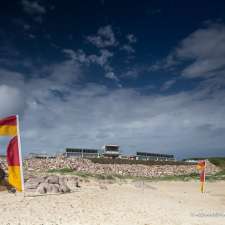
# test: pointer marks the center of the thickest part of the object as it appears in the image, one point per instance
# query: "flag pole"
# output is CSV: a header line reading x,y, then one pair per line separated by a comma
x,y
20,153
204,175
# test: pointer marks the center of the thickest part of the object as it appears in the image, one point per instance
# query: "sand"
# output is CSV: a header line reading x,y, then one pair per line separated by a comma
x,y
144,203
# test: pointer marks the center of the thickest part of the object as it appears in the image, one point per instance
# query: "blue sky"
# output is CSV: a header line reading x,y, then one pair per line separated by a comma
x,y
147,75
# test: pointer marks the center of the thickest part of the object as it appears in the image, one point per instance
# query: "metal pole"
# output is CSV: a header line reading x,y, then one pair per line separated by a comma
x,y
20,153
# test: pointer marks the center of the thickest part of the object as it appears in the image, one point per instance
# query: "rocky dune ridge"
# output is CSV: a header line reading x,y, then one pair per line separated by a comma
x,y
85,165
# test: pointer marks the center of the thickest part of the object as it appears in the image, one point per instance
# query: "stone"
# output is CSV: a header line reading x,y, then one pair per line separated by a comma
x,y
64,188
52,188
72,183
33,183
42,188
52,180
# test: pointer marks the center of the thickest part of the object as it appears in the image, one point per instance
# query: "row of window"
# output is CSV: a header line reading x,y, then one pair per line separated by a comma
x,y
95,151
68,150
154,155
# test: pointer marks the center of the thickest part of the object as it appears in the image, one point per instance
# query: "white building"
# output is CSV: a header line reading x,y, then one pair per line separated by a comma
x,y
111,151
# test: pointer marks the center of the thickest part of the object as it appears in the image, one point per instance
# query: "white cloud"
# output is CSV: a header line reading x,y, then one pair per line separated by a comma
x,y
105,37
112,76
11,100
59,114
33,7
202,53
80,56
128,48
58,111
168,84
103,58
132,73
131,38
206,48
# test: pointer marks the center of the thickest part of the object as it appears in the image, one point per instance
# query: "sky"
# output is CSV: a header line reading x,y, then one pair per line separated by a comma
x,y
146,75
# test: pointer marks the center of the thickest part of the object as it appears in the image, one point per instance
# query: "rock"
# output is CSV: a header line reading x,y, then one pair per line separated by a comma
x,y
52,188
47,187
72,183
64,188
63,180
42,188
52,180
33,183
77,184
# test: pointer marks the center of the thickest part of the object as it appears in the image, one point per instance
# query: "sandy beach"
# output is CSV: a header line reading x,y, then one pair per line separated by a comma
x,y
96,203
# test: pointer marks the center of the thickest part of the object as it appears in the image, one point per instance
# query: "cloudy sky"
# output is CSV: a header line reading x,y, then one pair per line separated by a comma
x,y
146,75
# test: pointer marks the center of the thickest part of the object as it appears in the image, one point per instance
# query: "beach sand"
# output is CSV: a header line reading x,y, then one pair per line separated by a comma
x,y
144,203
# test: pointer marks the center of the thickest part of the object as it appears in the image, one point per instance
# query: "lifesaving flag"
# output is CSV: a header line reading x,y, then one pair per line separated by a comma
x,y
201,167
10,127
14,164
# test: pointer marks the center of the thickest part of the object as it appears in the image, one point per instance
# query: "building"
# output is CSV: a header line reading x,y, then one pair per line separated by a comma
x,y
154,156
81,153
111,151
191,161
40,156
129,157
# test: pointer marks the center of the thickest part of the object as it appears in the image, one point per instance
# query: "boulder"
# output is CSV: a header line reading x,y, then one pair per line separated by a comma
x,y
62,180
52,188
72,182
52,180
33,183
63,188
51,184
42,188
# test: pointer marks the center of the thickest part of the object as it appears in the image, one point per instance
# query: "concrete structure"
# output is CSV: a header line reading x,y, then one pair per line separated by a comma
x,y
191,161
40,156
81,153
111,151
154,156
130,157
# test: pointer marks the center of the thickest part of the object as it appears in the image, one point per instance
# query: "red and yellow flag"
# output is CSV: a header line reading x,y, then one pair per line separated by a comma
x,y
201,167
14,167
8,126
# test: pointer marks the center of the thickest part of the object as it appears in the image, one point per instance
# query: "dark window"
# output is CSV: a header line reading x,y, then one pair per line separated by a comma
x,y
111,148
